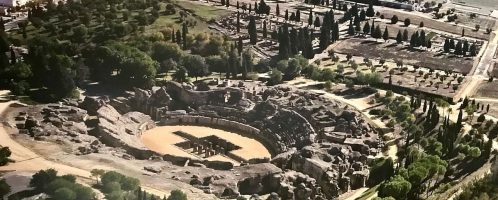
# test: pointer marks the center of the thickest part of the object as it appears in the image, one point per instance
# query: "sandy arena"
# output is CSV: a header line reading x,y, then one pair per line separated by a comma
x,y
162,140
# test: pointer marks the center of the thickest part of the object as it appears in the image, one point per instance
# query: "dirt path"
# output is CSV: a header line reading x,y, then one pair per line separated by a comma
x,y
352,195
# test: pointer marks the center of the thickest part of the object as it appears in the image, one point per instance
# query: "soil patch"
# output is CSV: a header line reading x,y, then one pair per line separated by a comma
x,y
163,139
428,59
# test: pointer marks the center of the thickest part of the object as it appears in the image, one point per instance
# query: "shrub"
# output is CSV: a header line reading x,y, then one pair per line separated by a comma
x,y
177,195
64,194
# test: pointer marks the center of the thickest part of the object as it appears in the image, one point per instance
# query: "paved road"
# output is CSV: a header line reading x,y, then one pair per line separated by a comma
x,y
487,57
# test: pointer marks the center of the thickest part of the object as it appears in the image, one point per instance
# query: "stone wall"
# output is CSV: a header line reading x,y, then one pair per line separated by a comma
x,y
189,97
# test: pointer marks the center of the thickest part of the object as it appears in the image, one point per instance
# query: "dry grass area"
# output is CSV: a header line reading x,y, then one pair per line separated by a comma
x,y
483,21
438,25
493,108
427,59
487,90
162,140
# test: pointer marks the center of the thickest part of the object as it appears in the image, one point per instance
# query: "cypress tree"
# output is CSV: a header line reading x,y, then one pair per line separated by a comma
x,y
405,35
317,22
240,45
237,7
298,16
331,19
277,10
378,32
465,47
264,29
459,119
357,26
310,18
286,16
238,22
446,45
473,50
366,28
335,32
372,28
399,37
334,4
13,59
251,29
139,193
414,39
293,41
421,39
363,16
452,44
173,36
284,42
325,32
178,37
386,34
227,3
458,48
184,35
351,29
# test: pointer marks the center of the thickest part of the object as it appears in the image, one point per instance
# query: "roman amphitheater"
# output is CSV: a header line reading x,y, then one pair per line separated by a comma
x,y
230,138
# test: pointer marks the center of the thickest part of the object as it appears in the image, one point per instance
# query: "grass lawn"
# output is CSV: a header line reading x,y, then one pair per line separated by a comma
x,y
205,12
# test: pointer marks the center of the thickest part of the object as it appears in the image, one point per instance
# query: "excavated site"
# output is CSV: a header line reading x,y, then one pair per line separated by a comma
x,y
253,139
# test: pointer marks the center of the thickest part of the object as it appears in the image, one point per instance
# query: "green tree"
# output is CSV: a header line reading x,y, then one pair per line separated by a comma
x,y
4,155
366,28
399,37
180,74
177,195
64,194
247,62
386,34
42,178
80,33
195,65
396,187
394,19
275,77
407,22
162,51
4,188
370,10
251,29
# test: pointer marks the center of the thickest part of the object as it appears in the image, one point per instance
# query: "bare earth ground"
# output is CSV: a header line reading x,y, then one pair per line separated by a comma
x,y
358,47
162,139
438,25
487,90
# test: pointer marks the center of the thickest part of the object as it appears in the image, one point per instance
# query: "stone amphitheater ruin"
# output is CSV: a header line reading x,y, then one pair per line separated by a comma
x,y
316,148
